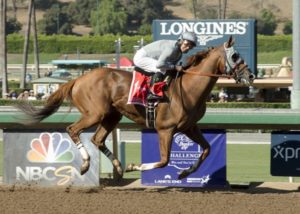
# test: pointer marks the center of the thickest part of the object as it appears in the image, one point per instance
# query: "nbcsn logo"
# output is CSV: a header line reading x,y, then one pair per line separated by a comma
x,y
50,148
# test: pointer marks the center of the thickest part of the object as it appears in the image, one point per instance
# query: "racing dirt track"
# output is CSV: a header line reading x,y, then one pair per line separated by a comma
x,y
109,198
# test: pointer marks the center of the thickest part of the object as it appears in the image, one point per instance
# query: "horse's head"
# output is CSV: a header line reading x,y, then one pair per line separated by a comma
x,y
227,60
234,65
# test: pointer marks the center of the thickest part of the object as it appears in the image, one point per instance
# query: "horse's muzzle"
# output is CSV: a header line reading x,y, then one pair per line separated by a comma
x,y
246,79
251,78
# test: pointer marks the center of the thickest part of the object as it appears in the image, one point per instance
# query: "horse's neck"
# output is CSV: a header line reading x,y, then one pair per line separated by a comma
x,y
200,85
209,65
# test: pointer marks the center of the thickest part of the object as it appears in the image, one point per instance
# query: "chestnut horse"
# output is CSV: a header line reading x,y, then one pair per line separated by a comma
x,y
101,96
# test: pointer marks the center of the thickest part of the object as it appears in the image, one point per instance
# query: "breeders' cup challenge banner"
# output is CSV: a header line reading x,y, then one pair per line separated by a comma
x,y
184,153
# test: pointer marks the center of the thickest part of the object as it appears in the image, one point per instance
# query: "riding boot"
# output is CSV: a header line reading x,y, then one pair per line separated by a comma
x,y
155,78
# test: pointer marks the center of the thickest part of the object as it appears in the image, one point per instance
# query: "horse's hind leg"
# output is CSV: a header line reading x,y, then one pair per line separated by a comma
x,y
195,134
74,131
103,130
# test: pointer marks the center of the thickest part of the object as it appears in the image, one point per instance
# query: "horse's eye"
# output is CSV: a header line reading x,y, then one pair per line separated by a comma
x,y
235,57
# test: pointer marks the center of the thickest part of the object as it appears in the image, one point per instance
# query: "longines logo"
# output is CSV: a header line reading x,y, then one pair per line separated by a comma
x,y
204,39
206,31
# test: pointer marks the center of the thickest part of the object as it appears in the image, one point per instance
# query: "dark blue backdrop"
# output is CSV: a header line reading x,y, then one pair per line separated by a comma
x,y
184,153
285,153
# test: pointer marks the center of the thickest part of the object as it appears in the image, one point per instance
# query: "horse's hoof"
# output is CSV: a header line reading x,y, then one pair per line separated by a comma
x,y
119,171
130,167
183,174
84,167
119,175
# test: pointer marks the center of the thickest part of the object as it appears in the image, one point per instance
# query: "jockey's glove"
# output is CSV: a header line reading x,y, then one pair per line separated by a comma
x,y
178,68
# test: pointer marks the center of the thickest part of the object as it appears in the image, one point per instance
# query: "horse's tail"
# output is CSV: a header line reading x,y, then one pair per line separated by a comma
x,y
35,115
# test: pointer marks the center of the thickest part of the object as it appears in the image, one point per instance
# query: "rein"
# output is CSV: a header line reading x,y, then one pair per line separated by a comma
x,y
216,75
209,74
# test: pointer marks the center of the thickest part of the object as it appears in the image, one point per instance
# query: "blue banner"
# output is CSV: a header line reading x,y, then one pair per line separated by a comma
x,y
212,33
184,153
285,153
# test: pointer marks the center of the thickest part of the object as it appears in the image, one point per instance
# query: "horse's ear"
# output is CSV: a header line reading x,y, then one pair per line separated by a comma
x,y
230,42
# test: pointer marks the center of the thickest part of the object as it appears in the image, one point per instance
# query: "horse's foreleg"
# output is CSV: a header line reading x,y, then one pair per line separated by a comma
x,y
165,140
141,167
196,135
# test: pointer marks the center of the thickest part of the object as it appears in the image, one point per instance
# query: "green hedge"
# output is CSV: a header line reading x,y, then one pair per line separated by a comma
x,y
69,44
64,44
274,43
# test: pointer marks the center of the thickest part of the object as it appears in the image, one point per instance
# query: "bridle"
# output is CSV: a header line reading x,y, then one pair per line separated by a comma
x,y
232,61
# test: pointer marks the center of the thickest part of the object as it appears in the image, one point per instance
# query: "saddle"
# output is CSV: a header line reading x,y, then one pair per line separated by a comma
x,y
140,90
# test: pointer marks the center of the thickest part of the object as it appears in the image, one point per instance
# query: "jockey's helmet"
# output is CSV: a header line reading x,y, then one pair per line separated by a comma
x,y
190,36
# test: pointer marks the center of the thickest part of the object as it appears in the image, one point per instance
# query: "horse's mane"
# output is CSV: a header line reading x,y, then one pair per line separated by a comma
x,y
197,58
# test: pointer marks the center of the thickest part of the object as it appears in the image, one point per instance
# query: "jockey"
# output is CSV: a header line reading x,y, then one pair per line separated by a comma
x,y
161,56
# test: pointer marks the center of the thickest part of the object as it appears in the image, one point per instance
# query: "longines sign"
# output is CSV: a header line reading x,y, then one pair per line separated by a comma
x,y
213,33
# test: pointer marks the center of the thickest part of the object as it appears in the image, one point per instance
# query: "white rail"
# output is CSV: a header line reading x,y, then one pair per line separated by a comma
x,y
266,66
31,66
